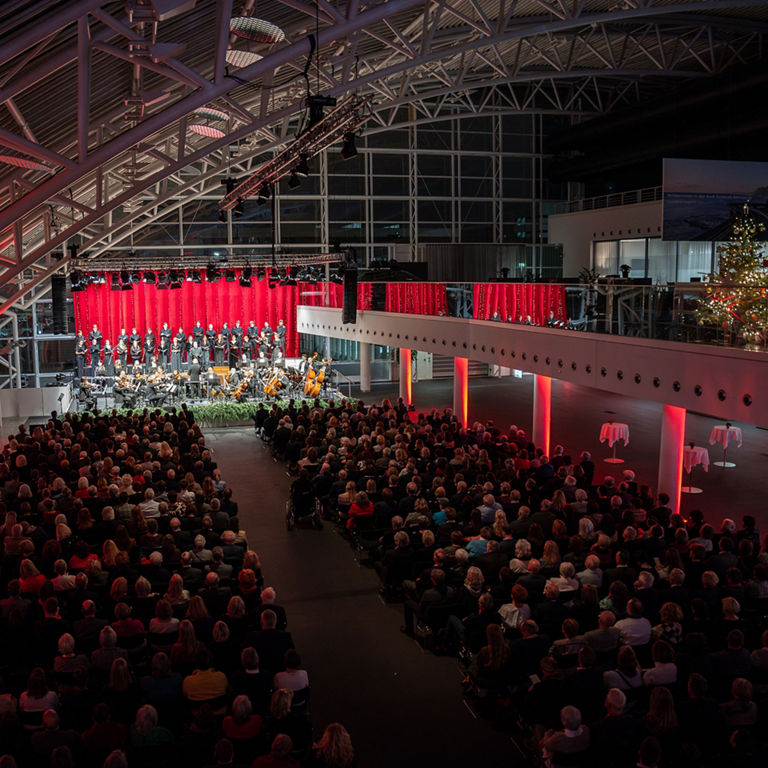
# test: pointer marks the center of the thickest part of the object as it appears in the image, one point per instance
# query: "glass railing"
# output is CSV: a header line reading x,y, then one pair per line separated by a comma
x,y
609,306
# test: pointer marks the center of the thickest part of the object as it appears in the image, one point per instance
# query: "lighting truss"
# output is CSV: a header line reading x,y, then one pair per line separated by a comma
x,y
346,118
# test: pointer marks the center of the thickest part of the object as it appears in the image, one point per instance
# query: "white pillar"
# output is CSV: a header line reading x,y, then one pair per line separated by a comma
x,y
406,388
542,411
365,366
461,389
671,454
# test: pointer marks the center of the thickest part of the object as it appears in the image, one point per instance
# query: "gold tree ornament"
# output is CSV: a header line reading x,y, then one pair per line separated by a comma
x,y
736,298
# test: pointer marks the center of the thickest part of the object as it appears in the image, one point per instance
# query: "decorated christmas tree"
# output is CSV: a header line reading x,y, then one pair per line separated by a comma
x,y
736,300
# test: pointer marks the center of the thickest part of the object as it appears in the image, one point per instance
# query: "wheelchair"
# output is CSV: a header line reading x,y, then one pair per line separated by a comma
x,y
303,506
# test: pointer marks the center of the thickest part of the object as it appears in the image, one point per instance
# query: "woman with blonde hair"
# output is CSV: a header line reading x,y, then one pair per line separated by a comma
x,y
176,595
283,719
334,750
109,552
185,650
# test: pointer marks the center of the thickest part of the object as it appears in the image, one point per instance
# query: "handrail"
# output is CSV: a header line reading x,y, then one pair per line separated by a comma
x,y
631,197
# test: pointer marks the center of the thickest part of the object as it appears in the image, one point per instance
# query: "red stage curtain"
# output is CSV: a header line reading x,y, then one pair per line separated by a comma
x,y
222,302
417,298
517,300
316,295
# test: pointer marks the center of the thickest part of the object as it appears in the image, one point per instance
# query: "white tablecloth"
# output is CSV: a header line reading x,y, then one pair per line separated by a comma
x,y
723,435
692,457
612,432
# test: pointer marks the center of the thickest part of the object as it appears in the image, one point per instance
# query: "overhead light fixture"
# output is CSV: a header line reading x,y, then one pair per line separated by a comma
x,y
136,277
149,278
293,181
212,274
302,169
261,273
209,113
240,59
203,129
194,276
258,30
229,275
264,194
239,208
245,277
316,105
115,284
162,281
348,148
76,281
125,276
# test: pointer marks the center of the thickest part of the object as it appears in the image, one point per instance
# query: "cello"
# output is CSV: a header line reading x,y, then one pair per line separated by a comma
x,y
310,377
317,381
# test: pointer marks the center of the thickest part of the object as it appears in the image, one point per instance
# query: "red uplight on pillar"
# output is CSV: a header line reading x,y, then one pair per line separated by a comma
x,y
461,389
406,385
542,411
671,454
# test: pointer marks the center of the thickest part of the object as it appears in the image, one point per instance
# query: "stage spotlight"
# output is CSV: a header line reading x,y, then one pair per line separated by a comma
x,y
302,169
136,277
264,195
100,279
162,281
126,286
125,276
149,278
245,282
316,105
76,280
293,181
348,148
115,286
229,275
194,276
212,273
336,277
261,273
239,208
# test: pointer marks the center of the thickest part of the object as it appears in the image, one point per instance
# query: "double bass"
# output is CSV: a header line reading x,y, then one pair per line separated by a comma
x,y
317,382
310,376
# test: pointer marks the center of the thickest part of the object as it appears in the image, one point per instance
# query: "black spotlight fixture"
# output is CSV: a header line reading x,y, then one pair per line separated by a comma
x,y
245,277
212,274
149,278
229,275
302,169
264,194
348,148
223,216
136,277
125,276
239,208
115,283
76,280
162,281
194,276
261,273
316,105
293,181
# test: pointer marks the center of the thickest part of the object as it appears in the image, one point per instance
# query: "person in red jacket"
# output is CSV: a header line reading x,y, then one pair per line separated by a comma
x,y
362,508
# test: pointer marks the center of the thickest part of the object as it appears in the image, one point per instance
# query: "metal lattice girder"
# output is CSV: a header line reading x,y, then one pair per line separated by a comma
x,y
105,100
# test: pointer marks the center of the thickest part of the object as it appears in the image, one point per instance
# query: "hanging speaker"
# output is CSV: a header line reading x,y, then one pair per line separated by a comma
x,y
59,303
349,312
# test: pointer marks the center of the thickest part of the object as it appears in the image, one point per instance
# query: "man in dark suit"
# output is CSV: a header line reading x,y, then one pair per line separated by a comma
x,y
492,562
215,596
193,576
533,581
270,643
268,597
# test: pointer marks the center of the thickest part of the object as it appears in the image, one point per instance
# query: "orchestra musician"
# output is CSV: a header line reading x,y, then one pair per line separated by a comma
x,y
211,381
86,395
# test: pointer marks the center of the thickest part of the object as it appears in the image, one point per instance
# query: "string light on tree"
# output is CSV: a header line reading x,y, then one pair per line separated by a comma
x,y
736,296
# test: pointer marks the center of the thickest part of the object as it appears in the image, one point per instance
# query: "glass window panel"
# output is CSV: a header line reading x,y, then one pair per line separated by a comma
x,y
607,257
56,355
252,211
251,233
661,260
517,167
434,186
346,185
555,190
439,137
202,210
352,165
517,143
389,185
632,253
347,231
388,140
476,233
476,165
293,232
158,234
694,260
345,210
299,210
205,234
477,142
516,124
390,210
476,210
517,188
310,185
390,164
477,187
434,210
391,230
434,165
434,233
477,124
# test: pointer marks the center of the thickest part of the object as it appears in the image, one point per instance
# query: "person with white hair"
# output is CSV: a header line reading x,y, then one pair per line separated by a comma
x,y
573,739
150,507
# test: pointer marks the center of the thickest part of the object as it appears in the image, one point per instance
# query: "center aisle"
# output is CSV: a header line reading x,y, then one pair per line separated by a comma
x,y
400,707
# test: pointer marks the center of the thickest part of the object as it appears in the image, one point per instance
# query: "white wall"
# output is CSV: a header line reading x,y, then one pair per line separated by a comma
x,y
577,231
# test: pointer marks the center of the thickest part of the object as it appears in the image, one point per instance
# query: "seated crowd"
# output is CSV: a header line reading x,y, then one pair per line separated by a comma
x,y
612,631
136,628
